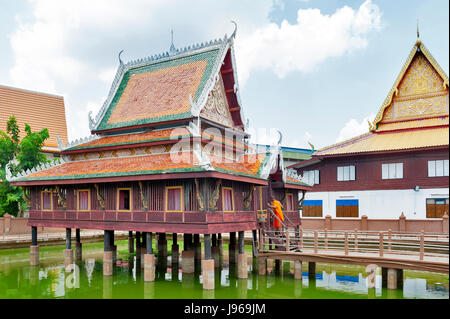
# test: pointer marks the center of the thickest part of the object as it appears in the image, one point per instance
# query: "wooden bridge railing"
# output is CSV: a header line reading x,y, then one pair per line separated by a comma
x,y
381,243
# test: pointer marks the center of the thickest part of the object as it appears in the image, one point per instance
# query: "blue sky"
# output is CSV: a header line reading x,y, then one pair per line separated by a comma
x,y
316,70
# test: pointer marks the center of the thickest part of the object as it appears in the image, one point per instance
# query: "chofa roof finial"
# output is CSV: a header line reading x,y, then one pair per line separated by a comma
x,y
233,35
120,60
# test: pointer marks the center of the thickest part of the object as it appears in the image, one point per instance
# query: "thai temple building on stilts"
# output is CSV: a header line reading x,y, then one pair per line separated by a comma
x,y
168,154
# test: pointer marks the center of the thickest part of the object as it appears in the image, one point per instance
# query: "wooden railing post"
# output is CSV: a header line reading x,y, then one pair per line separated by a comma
x,y
287,239
389,239
346,243
422,245
301,239
326,239
356,239
381,244
316,241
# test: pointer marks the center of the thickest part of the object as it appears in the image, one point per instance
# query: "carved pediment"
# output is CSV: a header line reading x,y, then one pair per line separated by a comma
x,y
216,108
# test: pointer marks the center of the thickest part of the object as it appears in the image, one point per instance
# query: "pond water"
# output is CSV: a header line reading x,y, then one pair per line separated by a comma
x,y
51,280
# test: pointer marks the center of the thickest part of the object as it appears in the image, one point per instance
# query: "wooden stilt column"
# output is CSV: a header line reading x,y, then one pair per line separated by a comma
x,y
187,256
208,265
138,245
298,270
197,247
149,259
107,255
384,277
215,251
175,249
130,242
262,266
34,248
392,279
113,247
220,244
78,247
399,278
232,248
68,252
242,258
311,270
162,245
254,244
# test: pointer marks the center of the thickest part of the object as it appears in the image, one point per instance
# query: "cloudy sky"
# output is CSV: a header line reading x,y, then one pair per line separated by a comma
x,y
315,69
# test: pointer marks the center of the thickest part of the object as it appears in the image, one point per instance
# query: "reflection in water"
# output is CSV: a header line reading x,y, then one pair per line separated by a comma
x,y
86,280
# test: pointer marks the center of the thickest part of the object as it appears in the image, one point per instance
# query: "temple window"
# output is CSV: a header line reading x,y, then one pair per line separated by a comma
x,y
438,168
46,200
346,173
289,202
392,171
437,207
312,177
227,198
83,200
174,199
124,199
312,208
347,208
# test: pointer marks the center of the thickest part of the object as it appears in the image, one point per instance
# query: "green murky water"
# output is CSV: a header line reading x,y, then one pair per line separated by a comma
x,y
51,280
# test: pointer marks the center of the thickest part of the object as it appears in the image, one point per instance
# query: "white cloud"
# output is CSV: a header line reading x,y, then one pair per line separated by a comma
x,y
62,48
354,128
301,46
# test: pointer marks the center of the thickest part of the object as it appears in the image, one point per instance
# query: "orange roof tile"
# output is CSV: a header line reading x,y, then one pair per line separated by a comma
x,y
134,138
39,110
403,140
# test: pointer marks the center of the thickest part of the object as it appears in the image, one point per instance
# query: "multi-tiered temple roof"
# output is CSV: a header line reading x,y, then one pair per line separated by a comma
x,y
168,116
414,115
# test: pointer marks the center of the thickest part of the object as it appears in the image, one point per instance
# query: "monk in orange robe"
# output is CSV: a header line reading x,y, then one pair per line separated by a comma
x,y
277,209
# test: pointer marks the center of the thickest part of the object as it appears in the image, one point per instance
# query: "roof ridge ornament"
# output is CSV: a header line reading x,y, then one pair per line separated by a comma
x,y
120,60
418,33
233,35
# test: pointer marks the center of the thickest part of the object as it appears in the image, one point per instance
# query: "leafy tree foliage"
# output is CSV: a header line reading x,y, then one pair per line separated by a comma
x,y
20,155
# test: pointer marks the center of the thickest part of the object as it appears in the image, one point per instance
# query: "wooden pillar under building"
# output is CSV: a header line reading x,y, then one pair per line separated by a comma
x,y
175,249
113,247
68,252
138,245
187,255
149,259
130,242
254,244
78,246
208,264
215,251
232,248
311,270
220,244
242,258
107,255
162,245
298,270
262,266
34,248
197,247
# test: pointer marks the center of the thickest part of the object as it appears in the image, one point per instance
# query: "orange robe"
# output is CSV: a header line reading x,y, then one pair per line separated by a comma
x,y
278,212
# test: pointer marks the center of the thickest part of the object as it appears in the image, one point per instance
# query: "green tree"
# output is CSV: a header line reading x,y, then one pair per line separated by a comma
x,y
20,155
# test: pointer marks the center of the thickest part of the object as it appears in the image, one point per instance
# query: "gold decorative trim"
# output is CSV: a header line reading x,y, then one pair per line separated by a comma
x,y
394,90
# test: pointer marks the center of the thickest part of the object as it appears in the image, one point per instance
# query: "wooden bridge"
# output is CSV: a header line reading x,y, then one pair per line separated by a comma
x,y
393,251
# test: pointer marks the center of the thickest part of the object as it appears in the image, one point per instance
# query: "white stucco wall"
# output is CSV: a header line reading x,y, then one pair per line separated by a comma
x,y
385,204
